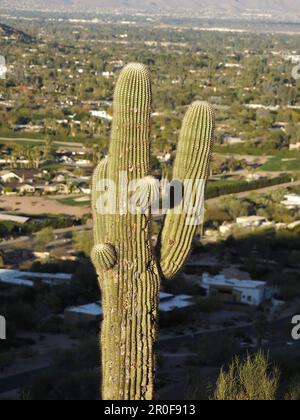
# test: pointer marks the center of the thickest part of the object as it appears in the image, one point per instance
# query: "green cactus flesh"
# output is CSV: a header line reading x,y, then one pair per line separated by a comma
x,y
128,267
192,163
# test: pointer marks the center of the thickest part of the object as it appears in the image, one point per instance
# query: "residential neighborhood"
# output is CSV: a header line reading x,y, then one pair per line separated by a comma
x,y
237,292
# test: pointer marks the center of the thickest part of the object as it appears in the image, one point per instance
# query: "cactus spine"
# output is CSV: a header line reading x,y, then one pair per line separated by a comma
x,y
129,269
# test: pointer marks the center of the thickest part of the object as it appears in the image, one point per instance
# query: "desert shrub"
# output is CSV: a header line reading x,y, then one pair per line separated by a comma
x,y
84,242
251,380
293,393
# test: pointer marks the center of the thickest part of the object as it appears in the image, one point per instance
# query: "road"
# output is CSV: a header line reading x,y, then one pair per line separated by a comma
x,y
12,242
278,325
259,191
58,143
18,381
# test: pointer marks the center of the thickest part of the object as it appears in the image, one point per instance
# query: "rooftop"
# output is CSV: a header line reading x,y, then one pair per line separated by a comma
x,y
89,309
12,218
168,303
221,280
27,278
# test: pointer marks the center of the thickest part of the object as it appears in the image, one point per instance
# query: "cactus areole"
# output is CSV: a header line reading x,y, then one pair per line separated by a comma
x,y
128,267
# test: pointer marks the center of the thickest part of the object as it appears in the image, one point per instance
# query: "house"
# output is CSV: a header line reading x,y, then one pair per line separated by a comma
x,y
85,313
232,141
232,66
294,225
102,115
46,188
66,159
226,228
295,146
62,189
9,176
280,126
107,74
291,201
247,222
29,279
293,58
85,188
83,162
253,177
60,178
260,106
247,292
165,158
251,221
26,189
12,218
93,311
170,303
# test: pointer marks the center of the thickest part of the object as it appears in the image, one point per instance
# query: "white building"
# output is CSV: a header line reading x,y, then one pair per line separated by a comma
x,y
247,222
84,313
8,176
292,201
251,221
12,218
30,279
107,74
103,115
164,158
232,141
248,292
26,189
83,162
293,58
169,303
93,311
295,146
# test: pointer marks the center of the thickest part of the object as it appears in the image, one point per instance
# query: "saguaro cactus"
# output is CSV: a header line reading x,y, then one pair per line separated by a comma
x,y
128,267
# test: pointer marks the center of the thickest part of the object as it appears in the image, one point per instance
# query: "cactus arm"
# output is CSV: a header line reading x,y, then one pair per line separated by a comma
x,y
192,163
99,228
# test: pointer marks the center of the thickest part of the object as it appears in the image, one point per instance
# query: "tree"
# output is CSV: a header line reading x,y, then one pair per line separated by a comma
x,y
251,380
48,148
83,242
293,393
45,236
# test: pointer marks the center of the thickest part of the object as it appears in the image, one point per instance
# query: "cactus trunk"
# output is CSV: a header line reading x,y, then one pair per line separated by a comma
x,y
128,268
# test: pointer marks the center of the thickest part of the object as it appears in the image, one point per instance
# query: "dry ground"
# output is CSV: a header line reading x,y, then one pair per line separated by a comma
x,y
34,206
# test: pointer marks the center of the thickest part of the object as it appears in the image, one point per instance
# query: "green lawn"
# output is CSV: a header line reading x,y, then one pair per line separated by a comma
x,y
27,143
53,166
243,150
72,202
283,162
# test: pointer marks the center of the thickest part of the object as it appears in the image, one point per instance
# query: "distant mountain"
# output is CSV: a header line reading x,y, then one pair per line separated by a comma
x,y
207,7
9,31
